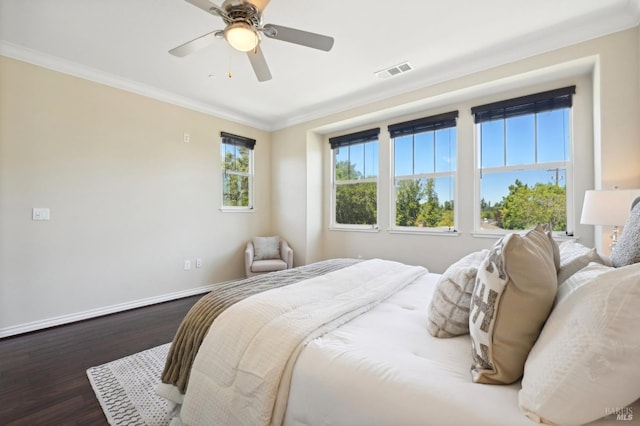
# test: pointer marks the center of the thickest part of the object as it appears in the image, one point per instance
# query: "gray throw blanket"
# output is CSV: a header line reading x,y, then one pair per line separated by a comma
x,y
196,323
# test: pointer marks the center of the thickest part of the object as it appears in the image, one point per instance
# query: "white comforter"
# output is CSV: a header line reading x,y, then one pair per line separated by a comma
x,y
242,371
384,369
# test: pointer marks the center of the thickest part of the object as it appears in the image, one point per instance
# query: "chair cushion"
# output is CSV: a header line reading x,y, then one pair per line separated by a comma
x,y
266,248
268,265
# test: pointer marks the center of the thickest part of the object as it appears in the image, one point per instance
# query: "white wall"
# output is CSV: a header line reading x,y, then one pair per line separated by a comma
x,y
606,111
129,200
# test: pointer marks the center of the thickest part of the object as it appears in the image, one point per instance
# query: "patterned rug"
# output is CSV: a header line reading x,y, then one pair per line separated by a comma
x,y
125,388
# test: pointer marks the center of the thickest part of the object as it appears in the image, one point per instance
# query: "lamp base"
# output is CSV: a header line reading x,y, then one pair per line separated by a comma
x,y
614,238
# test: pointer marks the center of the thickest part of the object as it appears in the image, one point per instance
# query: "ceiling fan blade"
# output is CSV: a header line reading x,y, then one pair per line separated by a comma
x,y
260,4
304,38
259,64
206,5
196,44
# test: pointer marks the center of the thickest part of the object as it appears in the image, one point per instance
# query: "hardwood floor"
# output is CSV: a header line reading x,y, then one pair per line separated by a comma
x,y
43,378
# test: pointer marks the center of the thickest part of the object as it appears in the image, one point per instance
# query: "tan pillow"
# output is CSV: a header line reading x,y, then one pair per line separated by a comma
x,y
449,308
513,295
556,249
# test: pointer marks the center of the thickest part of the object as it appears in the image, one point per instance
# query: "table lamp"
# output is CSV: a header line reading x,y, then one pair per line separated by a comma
x,y
608,208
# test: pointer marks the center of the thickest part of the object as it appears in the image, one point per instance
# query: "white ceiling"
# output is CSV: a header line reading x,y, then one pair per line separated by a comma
x,y
124,43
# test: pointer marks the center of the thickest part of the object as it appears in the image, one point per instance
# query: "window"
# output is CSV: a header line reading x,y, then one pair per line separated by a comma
x,y
237,171
424,167
524,158
355,179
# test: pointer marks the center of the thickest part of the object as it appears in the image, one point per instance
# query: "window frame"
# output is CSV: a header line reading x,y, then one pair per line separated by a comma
x,y
242,142
346,141
413,128
547,101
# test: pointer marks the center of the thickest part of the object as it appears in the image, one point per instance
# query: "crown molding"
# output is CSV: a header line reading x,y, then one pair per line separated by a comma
x,y
578,30
619,17
64,66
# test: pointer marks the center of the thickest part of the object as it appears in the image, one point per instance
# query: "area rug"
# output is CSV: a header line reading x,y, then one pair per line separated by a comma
x,y
126,388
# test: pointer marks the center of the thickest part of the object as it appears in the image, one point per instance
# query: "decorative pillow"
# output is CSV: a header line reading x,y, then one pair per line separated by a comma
x,y
266,248
573,257
576,280
585,362
513,295
627,250
449,308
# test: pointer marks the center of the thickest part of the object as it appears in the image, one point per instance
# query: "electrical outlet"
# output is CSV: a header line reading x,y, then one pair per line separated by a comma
x,y
187,265
187,138
199,262
40,213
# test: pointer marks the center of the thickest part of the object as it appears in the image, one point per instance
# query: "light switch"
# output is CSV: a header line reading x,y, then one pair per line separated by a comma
x,y
40,213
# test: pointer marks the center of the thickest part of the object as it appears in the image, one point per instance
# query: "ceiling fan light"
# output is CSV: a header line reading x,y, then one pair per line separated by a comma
x,y
241,36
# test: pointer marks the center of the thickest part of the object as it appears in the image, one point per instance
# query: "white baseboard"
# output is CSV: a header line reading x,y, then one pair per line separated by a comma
x,y
93,313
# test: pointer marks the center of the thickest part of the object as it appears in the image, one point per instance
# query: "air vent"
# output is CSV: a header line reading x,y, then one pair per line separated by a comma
x,y
394,70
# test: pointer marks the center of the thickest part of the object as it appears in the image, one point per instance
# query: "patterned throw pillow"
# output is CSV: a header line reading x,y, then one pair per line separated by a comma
x,y
514,292
449,308
627,251
266,248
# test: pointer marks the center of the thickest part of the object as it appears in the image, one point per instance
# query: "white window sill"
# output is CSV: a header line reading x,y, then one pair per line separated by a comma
x,y
422,231
494,235
368,229
497,235
237,210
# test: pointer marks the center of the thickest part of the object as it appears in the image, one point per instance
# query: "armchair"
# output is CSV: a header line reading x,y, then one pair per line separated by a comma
x,y
267,254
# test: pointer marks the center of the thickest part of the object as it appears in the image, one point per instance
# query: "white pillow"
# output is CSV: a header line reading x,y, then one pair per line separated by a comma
x,y
266,248
573,257
575,281
586,360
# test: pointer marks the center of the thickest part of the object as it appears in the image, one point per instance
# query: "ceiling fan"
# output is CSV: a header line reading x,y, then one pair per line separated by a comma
x,y
244,27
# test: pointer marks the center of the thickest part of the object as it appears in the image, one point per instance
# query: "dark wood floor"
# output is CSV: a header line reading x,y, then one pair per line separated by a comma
x,y
43,378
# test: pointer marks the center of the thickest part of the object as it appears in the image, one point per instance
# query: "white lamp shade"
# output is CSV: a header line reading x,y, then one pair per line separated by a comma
x,y
610,208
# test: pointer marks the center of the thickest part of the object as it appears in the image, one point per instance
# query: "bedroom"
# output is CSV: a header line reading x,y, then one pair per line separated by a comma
x,y
130,201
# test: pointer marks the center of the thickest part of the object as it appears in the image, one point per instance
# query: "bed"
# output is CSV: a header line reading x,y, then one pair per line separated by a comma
x,y
371,360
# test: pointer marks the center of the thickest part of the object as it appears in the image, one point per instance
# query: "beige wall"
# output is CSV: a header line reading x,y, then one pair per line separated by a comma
x,y
606,135
129,200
